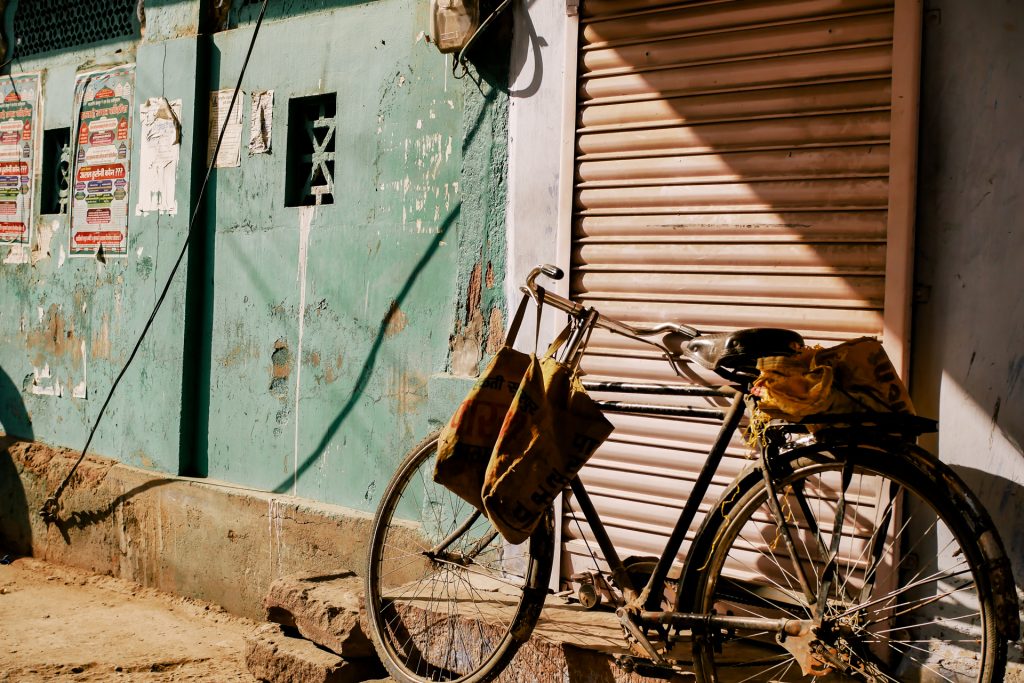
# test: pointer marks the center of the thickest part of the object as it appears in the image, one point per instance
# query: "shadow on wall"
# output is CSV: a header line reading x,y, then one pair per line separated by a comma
x,y
16,425
1002,498
366,372
969,321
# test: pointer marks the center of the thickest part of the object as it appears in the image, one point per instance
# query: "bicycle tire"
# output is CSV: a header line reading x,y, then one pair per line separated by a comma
x,y
459,615
936,620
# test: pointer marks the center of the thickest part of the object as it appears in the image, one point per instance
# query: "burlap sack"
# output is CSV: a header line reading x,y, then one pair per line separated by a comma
x,y
551,429
466,442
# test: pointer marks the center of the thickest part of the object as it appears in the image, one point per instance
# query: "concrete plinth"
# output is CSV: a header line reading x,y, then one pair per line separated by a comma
x,y
192,537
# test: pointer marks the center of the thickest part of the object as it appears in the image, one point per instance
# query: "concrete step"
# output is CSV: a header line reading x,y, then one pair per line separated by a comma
x,y
316,634
274,656
324,608
570,644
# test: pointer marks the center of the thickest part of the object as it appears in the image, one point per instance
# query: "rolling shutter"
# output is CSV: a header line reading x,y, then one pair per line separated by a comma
x,y
735,167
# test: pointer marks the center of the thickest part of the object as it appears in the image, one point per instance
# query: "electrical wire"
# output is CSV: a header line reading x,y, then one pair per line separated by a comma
x,y
49,509
460,57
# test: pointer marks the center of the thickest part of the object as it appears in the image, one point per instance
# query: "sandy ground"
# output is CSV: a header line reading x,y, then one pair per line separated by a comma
x,y
62,624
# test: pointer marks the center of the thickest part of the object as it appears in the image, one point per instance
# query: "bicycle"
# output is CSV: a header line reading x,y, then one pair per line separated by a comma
x,y
846,552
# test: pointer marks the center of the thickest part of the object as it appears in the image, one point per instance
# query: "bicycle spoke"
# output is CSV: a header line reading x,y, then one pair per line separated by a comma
x,y
854,529
447,592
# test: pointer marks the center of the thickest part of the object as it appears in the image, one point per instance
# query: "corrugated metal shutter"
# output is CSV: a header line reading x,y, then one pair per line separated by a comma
x,y
733,170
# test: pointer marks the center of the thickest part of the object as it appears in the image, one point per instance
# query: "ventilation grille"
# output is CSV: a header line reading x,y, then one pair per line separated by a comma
x,y
47,25
309,174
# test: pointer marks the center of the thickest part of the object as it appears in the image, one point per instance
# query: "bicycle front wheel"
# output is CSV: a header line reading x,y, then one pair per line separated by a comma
x,y
871,553
447,598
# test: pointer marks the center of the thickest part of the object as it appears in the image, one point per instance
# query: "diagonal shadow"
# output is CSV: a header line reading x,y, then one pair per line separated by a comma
x,y
80,519
371,358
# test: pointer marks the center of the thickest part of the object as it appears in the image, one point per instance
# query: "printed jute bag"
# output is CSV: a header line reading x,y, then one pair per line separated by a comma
x,y
853,377
466,442
551,429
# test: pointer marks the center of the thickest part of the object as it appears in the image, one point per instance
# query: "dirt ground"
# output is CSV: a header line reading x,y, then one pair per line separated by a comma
x,y
61,624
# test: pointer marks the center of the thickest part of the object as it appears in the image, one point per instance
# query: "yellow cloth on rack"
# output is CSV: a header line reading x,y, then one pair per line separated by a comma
x,y
853,377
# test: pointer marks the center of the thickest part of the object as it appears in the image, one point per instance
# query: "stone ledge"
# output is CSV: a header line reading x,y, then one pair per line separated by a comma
x,y
325,608
273,656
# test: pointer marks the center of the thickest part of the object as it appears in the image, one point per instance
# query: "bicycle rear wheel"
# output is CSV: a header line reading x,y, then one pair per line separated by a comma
x,y
886,572
447,598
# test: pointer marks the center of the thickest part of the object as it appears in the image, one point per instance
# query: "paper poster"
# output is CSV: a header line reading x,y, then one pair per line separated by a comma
x,y
229,155
261,122
99,205
19,122
159,145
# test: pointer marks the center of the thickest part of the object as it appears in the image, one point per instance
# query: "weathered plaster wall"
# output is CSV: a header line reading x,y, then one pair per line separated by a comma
x,y
329,325
968,342
78,317
305,349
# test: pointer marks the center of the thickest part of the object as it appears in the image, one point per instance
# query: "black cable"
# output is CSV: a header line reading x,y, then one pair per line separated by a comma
x,y
49,509
460,56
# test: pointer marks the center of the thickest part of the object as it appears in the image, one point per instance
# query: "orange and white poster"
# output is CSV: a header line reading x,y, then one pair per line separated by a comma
x,y
103,151
19,121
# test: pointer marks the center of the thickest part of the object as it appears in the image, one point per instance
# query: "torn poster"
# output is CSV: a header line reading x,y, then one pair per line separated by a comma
x,y
19,122
229,155
99,206
159,145
261,121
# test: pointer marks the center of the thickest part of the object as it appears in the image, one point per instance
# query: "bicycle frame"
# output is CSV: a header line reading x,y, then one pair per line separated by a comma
x,y
827,617
641,609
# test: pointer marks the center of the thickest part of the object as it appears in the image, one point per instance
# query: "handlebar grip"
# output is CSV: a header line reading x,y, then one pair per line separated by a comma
x,y
553,272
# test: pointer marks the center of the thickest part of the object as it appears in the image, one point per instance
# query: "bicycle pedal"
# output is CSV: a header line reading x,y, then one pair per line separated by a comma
x,y
643,667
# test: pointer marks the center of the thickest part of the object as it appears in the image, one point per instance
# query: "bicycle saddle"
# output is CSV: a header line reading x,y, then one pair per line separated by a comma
x,y
740,349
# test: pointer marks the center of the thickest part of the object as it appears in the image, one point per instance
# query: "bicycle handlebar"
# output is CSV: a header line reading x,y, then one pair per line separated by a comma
x,y
574,309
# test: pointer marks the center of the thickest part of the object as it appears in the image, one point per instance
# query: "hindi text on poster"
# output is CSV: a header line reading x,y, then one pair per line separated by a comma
x,y
102,160
19,136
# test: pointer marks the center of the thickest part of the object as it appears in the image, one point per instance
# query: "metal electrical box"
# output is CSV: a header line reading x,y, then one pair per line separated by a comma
x,y
452,23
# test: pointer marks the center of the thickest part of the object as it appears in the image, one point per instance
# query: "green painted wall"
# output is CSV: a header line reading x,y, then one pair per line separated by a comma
x,y
305,349
79,317
327,324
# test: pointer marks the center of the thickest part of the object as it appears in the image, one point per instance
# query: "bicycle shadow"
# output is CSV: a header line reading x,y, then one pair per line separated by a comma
x,y
15,427
1002,499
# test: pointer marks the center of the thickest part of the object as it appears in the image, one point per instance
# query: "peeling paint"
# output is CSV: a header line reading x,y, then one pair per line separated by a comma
x,y
466,354
281,360
54,337
331,372
408,390
473,291
43,237
101,340
43,383
395,320
495,331
18,254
